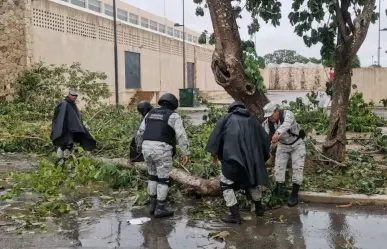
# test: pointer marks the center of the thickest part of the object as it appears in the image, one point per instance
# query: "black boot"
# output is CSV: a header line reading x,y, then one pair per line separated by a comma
x,y
235,217
293,200
259,210
153,204
279,190
161,211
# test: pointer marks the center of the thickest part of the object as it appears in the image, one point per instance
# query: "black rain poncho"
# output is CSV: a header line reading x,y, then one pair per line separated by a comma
x,y
243,147
67,120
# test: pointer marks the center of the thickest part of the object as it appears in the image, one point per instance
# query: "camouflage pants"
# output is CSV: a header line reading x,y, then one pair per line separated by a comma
x,y
158,158
297,152
63,153
229,194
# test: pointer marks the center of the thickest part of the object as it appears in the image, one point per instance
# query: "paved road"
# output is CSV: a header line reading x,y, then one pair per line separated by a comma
x,y
307,226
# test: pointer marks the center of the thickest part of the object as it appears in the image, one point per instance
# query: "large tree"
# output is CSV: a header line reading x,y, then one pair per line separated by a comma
x,y
227,61
341,35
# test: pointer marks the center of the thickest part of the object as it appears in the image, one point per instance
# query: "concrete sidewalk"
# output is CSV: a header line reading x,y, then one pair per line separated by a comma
x,y
342,198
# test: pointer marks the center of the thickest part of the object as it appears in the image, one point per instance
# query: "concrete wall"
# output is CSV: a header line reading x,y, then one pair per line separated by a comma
x,y
371,81
63,34
15,41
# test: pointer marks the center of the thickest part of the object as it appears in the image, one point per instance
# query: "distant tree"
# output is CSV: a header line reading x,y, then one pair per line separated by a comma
x,y
285,56
203,37
356,62
315,60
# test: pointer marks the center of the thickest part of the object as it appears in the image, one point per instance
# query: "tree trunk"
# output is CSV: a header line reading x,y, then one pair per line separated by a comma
x,y
347,47
192,184
334,146
227,60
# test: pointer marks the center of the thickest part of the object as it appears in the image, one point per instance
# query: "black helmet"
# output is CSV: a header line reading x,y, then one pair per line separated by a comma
x,y
144,107
169,100
236,104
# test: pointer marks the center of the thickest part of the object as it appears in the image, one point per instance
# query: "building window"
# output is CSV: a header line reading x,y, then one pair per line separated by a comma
x,y
189,37
153,25
108,10
95,5
80,3
170,31
144,22
177,33
122,15
161,28
195,39
133,18
182,34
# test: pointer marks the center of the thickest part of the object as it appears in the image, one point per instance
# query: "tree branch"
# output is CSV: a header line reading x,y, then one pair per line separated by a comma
x,y
341,22
362,23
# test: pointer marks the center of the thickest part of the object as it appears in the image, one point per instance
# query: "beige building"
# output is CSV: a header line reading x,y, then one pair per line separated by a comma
x,y
150,48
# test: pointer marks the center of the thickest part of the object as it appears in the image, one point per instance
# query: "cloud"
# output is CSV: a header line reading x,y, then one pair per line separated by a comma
x,y
269,38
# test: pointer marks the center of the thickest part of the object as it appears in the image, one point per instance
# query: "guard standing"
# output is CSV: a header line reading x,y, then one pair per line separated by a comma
x,y
163,128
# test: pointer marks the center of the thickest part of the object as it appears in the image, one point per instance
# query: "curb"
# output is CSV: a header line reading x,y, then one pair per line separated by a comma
x,y
343,198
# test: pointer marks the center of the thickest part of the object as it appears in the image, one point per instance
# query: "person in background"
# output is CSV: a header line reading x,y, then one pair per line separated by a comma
x,y
163,128
242,145
67,128
287,136
135,154
331,74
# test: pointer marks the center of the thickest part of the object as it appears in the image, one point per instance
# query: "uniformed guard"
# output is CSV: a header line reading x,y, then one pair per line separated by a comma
x,y
144,107
163,128
135,154
288,138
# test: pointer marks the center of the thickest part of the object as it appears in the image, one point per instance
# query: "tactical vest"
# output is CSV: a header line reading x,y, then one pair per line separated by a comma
x,y
157,127
301,134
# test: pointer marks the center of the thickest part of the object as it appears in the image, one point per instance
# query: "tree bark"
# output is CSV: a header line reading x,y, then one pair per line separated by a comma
x,y
192,184
227,60
347,47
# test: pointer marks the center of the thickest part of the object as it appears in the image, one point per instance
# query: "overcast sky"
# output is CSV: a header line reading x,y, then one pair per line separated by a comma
x,y
269,38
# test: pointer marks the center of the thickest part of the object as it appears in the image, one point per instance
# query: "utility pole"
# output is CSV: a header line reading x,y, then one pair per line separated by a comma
x,y
379,37
184,46
115,52
183,25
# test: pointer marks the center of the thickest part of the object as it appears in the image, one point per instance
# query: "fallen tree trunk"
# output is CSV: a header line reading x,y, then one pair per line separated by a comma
x,y
192,184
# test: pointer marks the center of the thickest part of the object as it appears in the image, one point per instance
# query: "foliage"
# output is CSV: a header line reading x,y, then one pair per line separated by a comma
x,y
330,62
360,117
304,16
285,56
60,187
203,38
252,64
363,175
40,88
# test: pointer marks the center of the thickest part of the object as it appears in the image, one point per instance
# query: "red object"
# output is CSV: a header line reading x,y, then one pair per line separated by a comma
x,y
331,75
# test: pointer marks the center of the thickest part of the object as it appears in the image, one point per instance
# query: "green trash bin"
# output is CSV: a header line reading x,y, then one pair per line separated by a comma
x,y
189,97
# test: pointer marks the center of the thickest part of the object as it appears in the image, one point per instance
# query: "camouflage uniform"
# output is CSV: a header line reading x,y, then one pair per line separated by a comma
x,y
296,151
158,155
60,154
229,195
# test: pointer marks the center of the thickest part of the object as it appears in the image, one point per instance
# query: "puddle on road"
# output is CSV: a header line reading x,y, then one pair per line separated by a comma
x,y
113,231
308,226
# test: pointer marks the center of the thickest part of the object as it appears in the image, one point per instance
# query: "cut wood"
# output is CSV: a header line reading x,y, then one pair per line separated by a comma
x,y
193,184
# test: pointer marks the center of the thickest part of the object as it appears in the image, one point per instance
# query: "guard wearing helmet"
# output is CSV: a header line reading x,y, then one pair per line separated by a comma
x,y
157,136
288,139
144,107
135,154
242,145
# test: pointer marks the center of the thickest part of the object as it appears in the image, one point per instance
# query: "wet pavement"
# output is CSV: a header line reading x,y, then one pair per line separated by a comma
x,y
306,226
